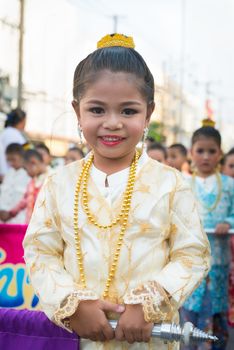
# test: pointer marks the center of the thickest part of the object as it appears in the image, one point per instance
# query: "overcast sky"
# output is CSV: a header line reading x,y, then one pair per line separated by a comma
x,y
59,33
156,25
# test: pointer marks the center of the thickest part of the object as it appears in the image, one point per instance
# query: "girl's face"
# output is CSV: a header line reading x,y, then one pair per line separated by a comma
x,y
228,168
206,155
34,167
15,160
72,156
113,114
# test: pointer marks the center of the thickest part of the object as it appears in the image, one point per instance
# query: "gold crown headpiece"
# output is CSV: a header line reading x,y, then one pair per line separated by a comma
x,y
208,122
111,40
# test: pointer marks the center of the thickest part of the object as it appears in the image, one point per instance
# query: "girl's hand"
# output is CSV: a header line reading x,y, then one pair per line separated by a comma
x,y
222,228
132,326
90,322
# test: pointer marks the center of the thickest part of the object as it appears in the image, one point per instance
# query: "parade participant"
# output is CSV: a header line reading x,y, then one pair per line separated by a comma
x,y
73,154
36,169
176,156
12,133
14,183
157,152
227,168
208,305
45,153
110,235
228,163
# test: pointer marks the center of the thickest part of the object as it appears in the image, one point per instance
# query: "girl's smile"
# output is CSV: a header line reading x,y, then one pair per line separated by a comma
x,y
113,114
111,140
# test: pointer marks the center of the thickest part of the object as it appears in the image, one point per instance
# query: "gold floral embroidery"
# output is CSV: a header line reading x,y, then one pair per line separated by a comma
x,y
154,299
173,229
145,226
143,188
185,259
48,223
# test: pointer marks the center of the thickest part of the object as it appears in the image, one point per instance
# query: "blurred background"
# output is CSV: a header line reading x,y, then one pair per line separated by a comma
x,y
187,44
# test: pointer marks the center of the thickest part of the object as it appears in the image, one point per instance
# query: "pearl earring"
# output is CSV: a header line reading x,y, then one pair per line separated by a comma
x,y
80,133
145,133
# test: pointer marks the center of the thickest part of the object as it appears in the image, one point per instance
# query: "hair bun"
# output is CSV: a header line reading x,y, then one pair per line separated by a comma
x,y
116,39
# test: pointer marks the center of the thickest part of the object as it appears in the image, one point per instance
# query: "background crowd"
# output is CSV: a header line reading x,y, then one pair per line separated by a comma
x,y
25,165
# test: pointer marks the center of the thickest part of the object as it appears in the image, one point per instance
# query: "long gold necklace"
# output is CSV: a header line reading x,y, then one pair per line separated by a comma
x,y
218,197
122,218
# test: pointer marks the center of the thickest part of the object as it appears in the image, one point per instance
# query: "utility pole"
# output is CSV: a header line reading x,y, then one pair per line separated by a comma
x,y
182,59
20,63
115,19
115,22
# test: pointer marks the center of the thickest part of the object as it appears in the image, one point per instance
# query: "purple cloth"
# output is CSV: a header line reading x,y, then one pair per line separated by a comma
x,y
32,330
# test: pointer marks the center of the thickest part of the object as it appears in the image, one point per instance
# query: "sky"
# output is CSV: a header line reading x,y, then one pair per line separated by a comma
x,y
190,36
59,33
159,27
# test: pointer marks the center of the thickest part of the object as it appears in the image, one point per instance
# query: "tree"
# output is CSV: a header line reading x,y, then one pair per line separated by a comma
x,y
155,131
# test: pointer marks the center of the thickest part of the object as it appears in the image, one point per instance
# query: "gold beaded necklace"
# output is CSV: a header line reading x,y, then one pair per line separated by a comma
x,y
218,197
121,219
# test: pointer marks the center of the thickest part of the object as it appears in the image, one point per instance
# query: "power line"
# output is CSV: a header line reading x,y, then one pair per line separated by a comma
x,y
21,43
9,24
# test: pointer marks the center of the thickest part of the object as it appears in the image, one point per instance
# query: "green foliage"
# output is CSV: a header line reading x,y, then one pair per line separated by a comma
x,y
155,131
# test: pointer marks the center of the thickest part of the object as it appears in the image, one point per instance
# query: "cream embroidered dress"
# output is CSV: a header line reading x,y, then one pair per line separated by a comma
x,y
164,256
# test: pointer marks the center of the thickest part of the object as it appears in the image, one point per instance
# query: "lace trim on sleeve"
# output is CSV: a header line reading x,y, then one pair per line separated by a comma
x,y
154,299
69,306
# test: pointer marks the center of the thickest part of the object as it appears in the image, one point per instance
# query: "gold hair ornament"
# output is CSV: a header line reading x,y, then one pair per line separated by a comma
x,y
208,122
111,40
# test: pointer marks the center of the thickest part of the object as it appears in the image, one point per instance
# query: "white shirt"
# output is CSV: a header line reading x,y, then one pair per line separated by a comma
x,y
3,163
12,191
7,136
11,135
117,182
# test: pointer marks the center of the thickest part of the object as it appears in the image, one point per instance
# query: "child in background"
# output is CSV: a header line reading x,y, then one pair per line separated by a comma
x,y
110,235
73,154
158,152
228,163
36,169
45,153
207,307
176,156
14,183
227,168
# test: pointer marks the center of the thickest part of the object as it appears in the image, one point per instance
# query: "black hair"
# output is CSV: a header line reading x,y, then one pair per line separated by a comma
x,y
158,146
207,132
32,153
15,117
181,148
150,139
229,153
41,145
78,150
115,59
15,148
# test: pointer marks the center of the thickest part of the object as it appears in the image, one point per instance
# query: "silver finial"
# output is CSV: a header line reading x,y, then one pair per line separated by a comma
x,y
173,332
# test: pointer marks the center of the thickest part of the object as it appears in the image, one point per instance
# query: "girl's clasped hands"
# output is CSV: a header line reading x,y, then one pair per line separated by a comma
x,y
90,322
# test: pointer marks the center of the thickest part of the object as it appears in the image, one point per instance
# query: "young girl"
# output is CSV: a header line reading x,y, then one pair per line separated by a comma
x,y
36,169
14,183
228,169
207,307
73,154
228,163
115,235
